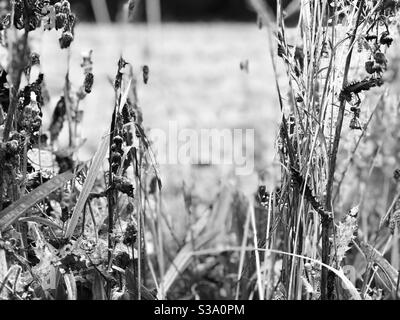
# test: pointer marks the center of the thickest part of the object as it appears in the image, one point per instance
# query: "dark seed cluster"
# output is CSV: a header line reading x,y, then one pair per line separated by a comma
x,y
146,72
58,118
130,235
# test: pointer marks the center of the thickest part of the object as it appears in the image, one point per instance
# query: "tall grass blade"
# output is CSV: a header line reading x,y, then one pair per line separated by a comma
x,y
9,215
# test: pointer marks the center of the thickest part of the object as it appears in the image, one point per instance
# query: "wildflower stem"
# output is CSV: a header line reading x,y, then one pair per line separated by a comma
x,y
327,223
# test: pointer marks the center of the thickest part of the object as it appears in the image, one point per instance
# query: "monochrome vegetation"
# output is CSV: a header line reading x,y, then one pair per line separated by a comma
x,y
328,228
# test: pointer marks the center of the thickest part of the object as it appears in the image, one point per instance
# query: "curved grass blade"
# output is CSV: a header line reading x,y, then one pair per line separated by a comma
x,y
88,185
42,221
9,215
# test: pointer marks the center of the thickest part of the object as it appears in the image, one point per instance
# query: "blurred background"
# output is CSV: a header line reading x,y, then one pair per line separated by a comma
x,y
194,49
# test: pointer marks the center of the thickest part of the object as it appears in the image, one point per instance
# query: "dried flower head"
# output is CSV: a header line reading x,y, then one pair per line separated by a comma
x,y
66,39
88,83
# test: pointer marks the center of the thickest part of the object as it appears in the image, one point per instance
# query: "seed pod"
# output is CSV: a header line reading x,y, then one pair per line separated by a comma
x,y
369,67
126,114
61,20
65,7
380,58
58,118
154,183
130,207
356,111
66,40
116,157
34,59
88,84
130,235
146,72
65,162
12,146
37,123
57,7
262,195
123,185
355,124
118,141
386,39
122,260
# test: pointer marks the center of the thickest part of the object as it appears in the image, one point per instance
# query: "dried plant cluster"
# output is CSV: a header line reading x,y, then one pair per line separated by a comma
x,y
68,229
339,58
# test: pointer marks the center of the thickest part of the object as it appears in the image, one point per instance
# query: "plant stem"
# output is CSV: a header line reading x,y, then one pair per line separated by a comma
x,y
327,223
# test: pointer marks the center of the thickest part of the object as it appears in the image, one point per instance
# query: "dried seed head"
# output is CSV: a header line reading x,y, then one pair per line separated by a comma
x,y
60,20
146,72
153,186
116,157
379,82
57,7
396,174
65,7
122,260
65,162
130,235
369,67
12,146
34,59
262,195
118,141
355,124
66,39
123,185
380,58
386,39
88,83
356,110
